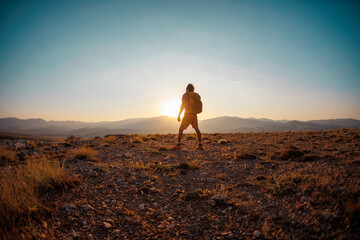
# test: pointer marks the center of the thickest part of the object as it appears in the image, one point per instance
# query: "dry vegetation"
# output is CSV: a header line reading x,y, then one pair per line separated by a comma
x,y
22,186
83,153
294,185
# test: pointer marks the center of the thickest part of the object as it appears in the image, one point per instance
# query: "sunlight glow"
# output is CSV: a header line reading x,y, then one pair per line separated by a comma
x,y
171,108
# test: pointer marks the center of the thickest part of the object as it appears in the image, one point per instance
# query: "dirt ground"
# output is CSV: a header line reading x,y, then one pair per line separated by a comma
x,y
292,185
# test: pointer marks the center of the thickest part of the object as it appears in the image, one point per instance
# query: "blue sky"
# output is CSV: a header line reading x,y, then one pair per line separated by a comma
x,y
112,60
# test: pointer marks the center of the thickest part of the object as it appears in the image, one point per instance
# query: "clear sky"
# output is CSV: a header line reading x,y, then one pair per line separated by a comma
x,y
112,60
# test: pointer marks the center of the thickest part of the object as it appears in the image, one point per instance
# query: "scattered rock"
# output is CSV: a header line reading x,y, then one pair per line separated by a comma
x,y
73,233
119,181
309,158
192,196
86,207
218,199
245,156
223,141
291,153
327,216
44,225
69,207
107,225
159,212
257,234
184,166
260,178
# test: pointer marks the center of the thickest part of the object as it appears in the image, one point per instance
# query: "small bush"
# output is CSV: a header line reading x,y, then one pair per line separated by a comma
x,y
137,139
291,153
72,138
7,156
21,189
83,153
110,139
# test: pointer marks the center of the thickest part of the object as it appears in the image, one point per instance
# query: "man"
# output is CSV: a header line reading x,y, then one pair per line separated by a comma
x,y
192,104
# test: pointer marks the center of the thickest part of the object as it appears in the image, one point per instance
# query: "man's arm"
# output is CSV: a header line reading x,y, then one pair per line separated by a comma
x,y
181,109
184,103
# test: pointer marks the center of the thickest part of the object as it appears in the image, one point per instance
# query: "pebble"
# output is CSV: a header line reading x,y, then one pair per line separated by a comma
x,y
119,181
257,234
107,225
141,206
327,216
143,175
219,199
69,207
73,233
223,141
117,231
44,224
86,207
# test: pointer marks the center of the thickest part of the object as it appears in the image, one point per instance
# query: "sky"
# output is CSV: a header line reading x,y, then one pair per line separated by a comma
x,y
112,60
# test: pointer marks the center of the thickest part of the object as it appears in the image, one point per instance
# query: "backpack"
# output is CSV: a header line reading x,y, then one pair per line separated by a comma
x,y
195,104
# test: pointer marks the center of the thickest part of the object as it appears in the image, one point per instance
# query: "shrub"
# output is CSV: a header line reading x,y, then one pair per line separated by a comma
x,y
22,186
72,138
83,153
291,153
7,156
110,139
137,139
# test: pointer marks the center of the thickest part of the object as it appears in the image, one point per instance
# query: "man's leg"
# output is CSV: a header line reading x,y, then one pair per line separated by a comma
x,y
181,130
198,134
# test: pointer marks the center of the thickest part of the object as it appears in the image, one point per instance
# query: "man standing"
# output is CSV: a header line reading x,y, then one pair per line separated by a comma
x,y
192,104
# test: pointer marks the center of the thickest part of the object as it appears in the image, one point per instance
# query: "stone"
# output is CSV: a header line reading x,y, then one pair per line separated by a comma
x,y
327,216
257,234
218,199
69,207
86,207
73,233
141,207
119,181
107,225
223,141
117,231
143,175
159,212
44,225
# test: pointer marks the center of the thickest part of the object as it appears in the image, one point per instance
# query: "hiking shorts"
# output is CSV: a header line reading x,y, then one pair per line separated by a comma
x,y
189,118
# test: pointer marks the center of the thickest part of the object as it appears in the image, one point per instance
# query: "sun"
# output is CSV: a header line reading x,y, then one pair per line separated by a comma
x,y
171,108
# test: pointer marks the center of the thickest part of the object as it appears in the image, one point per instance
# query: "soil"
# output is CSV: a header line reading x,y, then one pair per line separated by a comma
x,y
292,185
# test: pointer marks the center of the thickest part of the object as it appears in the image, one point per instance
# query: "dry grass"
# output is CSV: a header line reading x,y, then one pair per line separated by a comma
x,y
21,188
7,156
83,153
137,139
141,138
110,139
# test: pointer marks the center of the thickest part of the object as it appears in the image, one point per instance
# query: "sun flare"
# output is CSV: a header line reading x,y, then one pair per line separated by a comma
x,y
171,108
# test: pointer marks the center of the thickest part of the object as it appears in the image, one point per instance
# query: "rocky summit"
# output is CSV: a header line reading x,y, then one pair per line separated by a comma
x,y
288,185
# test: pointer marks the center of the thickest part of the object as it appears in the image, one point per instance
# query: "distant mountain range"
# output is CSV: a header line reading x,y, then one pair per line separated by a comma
x,y
163,124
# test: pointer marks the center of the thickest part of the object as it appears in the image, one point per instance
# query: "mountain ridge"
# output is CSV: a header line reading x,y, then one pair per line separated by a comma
x,y
165,124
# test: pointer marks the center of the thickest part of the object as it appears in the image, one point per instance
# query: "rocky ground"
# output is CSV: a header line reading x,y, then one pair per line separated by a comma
x,y
293,185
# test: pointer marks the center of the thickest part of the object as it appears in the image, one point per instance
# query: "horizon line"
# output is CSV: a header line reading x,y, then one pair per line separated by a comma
x,y
133,118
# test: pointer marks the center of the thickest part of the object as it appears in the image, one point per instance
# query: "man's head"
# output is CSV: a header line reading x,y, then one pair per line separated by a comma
x,y
190,88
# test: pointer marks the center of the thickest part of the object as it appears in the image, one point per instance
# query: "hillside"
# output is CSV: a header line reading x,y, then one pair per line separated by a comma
x,y
164,125
283,185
